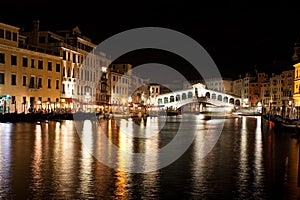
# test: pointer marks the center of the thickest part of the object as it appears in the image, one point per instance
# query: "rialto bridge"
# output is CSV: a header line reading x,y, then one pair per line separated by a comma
x,y
196,94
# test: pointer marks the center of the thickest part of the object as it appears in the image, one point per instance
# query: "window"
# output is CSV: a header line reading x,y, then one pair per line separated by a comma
x,y
74,58
15,37
2,58
32,63
63,88
25,62
57,67
31,101
8,35
64,55
13,99
40,64
1,78
49,83
13,79
57,84
49,66
24,81
24,100
13,60
40,80
1,33
64,71
42,40
31,83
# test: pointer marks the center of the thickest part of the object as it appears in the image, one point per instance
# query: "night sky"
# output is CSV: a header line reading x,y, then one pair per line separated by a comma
x,y
238,39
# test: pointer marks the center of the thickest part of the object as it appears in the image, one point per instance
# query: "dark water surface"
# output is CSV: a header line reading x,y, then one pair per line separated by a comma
x,y
249,161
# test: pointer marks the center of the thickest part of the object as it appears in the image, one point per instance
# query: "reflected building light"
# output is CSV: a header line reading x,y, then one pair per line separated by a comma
x,y
5,154
37,157
123,160
86,177
64,158
243,156
258,155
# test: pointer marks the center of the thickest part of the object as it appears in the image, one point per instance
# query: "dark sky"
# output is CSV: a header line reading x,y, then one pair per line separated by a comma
x,y
237,38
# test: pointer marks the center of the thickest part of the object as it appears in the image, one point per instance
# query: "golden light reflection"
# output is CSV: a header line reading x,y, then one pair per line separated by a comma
x,y
123,160
37,157
86,176
258,154
63,156
243,153
5,152
120,184
125,144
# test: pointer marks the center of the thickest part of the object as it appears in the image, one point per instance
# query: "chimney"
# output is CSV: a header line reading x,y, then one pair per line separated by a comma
x,y
35,32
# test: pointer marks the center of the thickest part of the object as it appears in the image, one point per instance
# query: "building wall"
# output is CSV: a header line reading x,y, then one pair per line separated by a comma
x,y
27,66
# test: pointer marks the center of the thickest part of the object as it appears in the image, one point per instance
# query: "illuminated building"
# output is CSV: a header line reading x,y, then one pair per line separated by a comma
x,y
80,67
29,75
119,84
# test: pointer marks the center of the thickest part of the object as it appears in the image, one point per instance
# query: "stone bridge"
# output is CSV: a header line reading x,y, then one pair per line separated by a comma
x,y
197,94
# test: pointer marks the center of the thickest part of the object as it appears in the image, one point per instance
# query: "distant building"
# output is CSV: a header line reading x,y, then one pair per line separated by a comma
x,y
119,84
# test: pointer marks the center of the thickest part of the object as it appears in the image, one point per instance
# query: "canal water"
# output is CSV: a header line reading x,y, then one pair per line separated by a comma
x,y
250,160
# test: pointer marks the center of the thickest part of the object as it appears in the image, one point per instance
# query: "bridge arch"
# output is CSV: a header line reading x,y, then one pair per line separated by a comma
x,y
225,99
213,96
171,98
220,97
207,94
166,100
159,101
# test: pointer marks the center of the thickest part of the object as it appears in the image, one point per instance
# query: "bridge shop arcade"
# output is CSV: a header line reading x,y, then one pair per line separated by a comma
x,y
198,98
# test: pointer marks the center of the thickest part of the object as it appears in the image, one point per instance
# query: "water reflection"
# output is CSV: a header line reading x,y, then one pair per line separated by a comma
x,y
50,161
5,159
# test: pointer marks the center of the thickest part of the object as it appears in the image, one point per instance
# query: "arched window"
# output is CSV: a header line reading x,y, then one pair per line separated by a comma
x,y
225,99
207,94
219,97
159,101
166,100
172,98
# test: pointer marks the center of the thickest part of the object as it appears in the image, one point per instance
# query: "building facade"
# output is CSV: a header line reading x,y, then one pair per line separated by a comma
x,y
30,77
